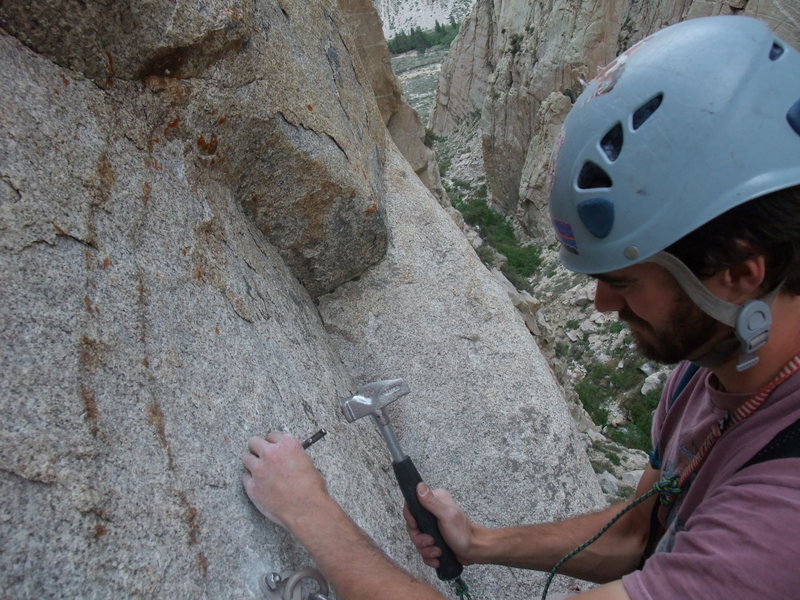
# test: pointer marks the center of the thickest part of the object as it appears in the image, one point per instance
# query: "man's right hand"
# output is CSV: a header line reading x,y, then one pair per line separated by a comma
x,y
458,531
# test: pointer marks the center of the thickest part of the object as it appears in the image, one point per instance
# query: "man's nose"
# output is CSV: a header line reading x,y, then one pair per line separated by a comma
x,y
606,299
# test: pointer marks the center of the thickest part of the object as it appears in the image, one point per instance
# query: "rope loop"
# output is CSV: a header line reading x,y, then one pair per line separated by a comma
x,y
667,489
670,487
461,589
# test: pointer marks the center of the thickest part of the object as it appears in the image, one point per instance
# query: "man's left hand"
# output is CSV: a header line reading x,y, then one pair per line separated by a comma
x,y
280,478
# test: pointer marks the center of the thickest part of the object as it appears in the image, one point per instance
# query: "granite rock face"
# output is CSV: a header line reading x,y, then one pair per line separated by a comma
x,y
513,55
485,417
179,182
466,70
149,329
265,98
403,15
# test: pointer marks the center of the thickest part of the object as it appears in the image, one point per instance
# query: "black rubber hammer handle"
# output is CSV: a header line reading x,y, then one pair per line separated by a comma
x,y
408,477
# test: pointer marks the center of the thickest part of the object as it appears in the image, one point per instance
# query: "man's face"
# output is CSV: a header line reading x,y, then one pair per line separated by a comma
x,y
666,324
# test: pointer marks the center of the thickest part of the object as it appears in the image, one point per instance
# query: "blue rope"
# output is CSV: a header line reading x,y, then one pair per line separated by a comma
x,y
461,589
666,489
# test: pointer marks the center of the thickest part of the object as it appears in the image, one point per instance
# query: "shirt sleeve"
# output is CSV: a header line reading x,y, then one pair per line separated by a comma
x,y
740,543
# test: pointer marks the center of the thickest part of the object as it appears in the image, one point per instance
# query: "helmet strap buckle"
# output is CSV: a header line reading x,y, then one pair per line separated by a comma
x,y
752,328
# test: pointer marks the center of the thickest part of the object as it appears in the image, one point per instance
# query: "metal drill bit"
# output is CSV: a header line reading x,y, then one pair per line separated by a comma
x,y
314,438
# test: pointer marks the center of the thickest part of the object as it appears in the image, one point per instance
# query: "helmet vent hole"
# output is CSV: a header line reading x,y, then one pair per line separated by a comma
x,y
592,177
793,117
776,51
611,143
646,110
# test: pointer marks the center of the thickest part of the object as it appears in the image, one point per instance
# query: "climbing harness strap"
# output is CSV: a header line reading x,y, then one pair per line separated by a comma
x,y
669,488
744,410
784,445
655,459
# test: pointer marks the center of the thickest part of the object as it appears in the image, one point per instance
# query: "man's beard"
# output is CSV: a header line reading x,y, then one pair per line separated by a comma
x,y
687,330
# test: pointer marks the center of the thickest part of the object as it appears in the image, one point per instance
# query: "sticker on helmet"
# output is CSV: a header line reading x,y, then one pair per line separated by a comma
x,y
566,236
609,75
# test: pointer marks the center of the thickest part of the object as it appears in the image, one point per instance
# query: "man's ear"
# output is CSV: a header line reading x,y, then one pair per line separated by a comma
x,y
743,281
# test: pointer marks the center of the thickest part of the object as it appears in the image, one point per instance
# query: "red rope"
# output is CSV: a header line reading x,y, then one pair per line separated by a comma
x,y
744,410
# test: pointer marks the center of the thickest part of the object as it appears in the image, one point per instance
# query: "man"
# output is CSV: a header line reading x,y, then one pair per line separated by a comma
x,y
677,186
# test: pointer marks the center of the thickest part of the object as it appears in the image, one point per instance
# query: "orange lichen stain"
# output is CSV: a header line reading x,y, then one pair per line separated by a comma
x,y
105,171
56,92
216,330
146,362
184,251
221,120
106,262
88,304
156,418
172,125
89,404
210,146
309,107
199,275
99,531
190,517
91,413
202,564
65,81
59,231
89,351
152,163
371,208
147,190
110,79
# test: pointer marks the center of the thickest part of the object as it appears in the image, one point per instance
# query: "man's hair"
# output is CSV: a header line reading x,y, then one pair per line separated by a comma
x,y
768,225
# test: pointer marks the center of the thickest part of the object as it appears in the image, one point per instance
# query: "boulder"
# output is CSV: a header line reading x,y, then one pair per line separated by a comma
x,y
265,99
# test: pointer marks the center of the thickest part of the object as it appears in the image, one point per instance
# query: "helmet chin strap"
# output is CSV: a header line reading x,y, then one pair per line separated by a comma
x,y
751,321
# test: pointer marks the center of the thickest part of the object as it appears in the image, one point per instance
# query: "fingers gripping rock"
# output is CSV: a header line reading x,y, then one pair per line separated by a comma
x,y
279,477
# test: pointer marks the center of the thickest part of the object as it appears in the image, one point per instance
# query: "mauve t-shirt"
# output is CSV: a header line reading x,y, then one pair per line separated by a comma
x,y
736,533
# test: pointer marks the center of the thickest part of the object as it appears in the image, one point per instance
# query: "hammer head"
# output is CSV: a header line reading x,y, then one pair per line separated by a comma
x,y
371,398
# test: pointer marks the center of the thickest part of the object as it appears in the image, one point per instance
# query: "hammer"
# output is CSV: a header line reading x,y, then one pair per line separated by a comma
x,y
371,399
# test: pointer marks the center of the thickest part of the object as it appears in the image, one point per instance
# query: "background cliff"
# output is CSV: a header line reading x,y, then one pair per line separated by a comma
x,y
206,233
520,64
403,15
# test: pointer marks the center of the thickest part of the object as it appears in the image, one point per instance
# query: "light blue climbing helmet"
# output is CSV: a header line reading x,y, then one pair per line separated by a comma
x,y
695,119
